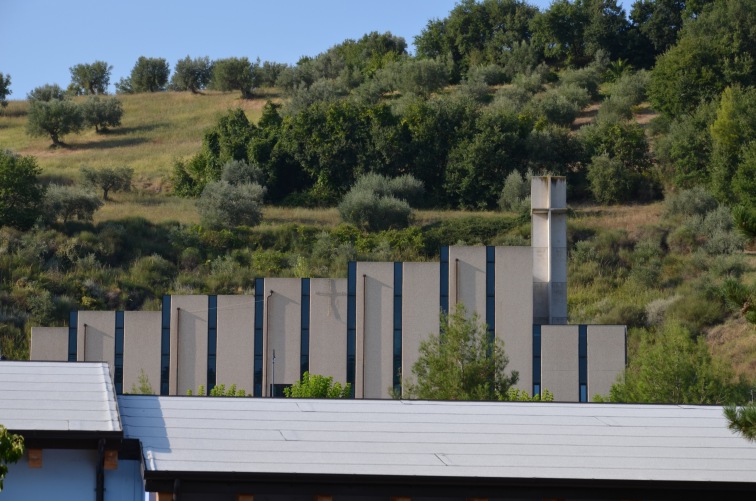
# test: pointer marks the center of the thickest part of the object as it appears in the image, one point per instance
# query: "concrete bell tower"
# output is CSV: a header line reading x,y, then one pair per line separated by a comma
x,y
548,203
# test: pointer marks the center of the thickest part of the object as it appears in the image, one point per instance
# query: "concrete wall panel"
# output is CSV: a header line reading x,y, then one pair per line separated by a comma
x,y
284,330
328,315
606,357
375,330
467,278
514,310
96,337
421,288
559,362
235,350
188,343
49,343
141,348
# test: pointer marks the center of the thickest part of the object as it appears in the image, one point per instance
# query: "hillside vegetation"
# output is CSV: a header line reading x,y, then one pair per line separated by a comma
x,y
365,152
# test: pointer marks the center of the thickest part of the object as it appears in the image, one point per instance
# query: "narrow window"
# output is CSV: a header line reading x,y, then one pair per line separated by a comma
x,y
536,360
118,376
398,279
444,280
351,324
73,325
583,362
259,313
212,341
304,358
165,346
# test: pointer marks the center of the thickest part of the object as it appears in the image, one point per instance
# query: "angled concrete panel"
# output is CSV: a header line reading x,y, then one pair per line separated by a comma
x,y
141,349
375,330
188,343
606,357
284,330
328,313
49,343
514,310
467,278
559,362
421,288
96,337
235,350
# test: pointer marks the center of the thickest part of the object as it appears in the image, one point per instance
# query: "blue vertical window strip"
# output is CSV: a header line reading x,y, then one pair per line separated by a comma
x,y
165,346
212,340
444,280
259,313
583,362
536,360
398,279
491,292
73,325
351,324
304,357
118,376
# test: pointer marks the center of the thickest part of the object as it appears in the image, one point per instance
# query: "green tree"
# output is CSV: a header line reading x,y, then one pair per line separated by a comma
x,y
46,92
55,118
714,51
192,74
149,74
235,74
462,363
108,179
90,79
5,91
224,205
610,181
376,202
11,450
317,386
144,387
672,367
69,202
742,420
102,113
20,191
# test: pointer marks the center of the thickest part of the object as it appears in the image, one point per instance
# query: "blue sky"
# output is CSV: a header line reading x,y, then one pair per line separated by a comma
x,y
41,39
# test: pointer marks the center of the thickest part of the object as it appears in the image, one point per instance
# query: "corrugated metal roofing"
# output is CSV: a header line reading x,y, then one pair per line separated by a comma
x,y
444,439
57,396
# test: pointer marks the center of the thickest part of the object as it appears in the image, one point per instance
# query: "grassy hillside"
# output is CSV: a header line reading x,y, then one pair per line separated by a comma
x,y
157,128
621,265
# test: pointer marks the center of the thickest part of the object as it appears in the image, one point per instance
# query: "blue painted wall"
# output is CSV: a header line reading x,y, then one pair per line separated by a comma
x,y
70,474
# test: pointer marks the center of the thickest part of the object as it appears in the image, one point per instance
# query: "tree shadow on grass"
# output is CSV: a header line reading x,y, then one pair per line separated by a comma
x,y
108,143
120,131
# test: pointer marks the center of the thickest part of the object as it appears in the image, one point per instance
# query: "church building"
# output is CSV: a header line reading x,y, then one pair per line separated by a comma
x,y
365,329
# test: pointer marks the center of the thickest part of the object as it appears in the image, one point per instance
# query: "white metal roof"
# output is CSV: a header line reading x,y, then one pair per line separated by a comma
x,y
57,396
444,439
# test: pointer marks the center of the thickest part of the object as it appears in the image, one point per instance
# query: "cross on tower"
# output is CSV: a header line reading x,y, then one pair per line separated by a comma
x,y
333,294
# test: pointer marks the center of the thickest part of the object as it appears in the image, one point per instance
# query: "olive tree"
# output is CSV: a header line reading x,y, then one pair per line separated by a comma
x,y
150,74
192,74
20,191
5,81
102,113
90,78
55,118
69,202
235,74
45,93
224,205
108,179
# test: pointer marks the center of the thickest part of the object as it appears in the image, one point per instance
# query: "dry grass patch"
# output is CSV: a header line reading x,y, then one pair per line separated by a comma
x,y
631,218
735,341
153,207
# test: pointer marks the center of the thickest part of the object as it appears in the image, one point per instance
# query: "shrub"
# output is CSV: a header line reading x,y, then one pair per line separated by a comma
x,y
102,113
238,172
223,205
610,181
67,203
696,201
373,212
515,192
587,78
491,74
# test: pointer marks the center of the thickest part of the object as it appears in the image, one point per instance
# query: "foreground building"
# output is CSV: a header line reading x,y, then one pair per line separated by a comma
x,y
366,329
251,449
